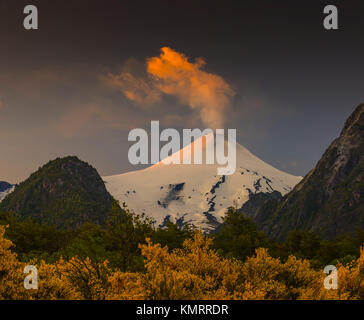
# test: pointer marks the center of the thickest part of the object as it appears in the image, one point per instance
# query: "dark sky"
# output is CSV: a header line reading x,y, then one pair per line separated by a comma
x,y
294,82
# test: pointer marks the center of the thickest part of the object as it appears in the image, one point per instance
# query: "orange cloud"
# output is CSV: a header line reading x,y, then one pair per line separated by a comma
x,y
172,74
205,92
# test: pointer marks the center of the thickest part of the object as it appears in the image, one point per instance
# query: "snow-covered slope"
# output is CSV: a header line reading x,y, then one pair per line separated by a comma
x,y
195,194
5,189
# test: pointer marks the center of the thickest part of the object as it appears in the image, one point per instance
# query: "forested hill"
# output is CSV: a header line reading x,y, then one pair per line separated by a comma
x,y
65,192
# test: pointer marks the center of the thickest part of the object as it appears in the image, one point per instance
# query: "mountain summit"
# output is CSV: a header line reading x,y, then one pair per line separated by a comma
x,y
329,200
66,192
195,194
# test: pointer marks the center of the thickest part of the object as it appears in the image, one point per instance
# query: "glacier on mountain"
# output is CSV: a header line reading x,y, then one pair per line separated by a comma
x,y
195,194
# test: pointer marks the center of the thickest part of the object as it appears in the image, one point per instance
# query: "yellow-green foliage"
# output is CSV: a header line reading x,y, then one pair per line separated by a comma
x,y
192,272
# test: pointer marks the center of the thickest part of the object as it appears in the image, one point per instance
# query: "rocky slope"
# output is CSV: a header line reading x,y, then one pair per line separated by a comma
x,y
329,200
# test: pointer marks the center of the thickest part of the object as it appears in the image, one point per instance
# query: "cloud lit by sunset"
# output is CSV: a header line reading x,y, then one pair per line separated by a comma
x,y
205,92
173,74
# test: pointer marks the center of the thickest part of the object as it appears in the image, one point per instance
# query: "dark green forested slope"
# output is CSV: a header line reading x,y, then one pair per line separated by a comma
x,y
65,192
329,200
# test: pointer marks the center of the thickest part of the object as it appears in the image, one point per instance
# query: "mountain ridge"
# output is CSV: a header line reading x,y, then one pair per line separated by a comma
x,y
329,200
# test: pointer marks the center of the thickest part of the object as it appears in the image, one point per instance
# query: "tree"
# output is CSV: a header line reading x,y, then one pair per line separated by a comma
x,y
124,232
238,236
172,235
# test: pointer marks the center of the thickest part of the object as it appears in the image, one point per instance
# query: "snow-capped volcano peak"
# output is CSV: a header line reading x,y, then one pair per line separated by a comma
x,y
195,150
5,189
195,194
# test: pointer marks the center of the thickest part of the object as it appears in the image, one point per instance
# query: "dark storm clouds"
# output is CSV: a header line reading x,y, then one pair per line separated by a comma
x,y
295,83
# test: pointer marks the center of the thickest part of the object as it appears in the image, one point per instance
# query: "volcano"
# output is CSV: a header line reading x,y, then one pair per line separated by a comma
x,y
195,194
5,189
